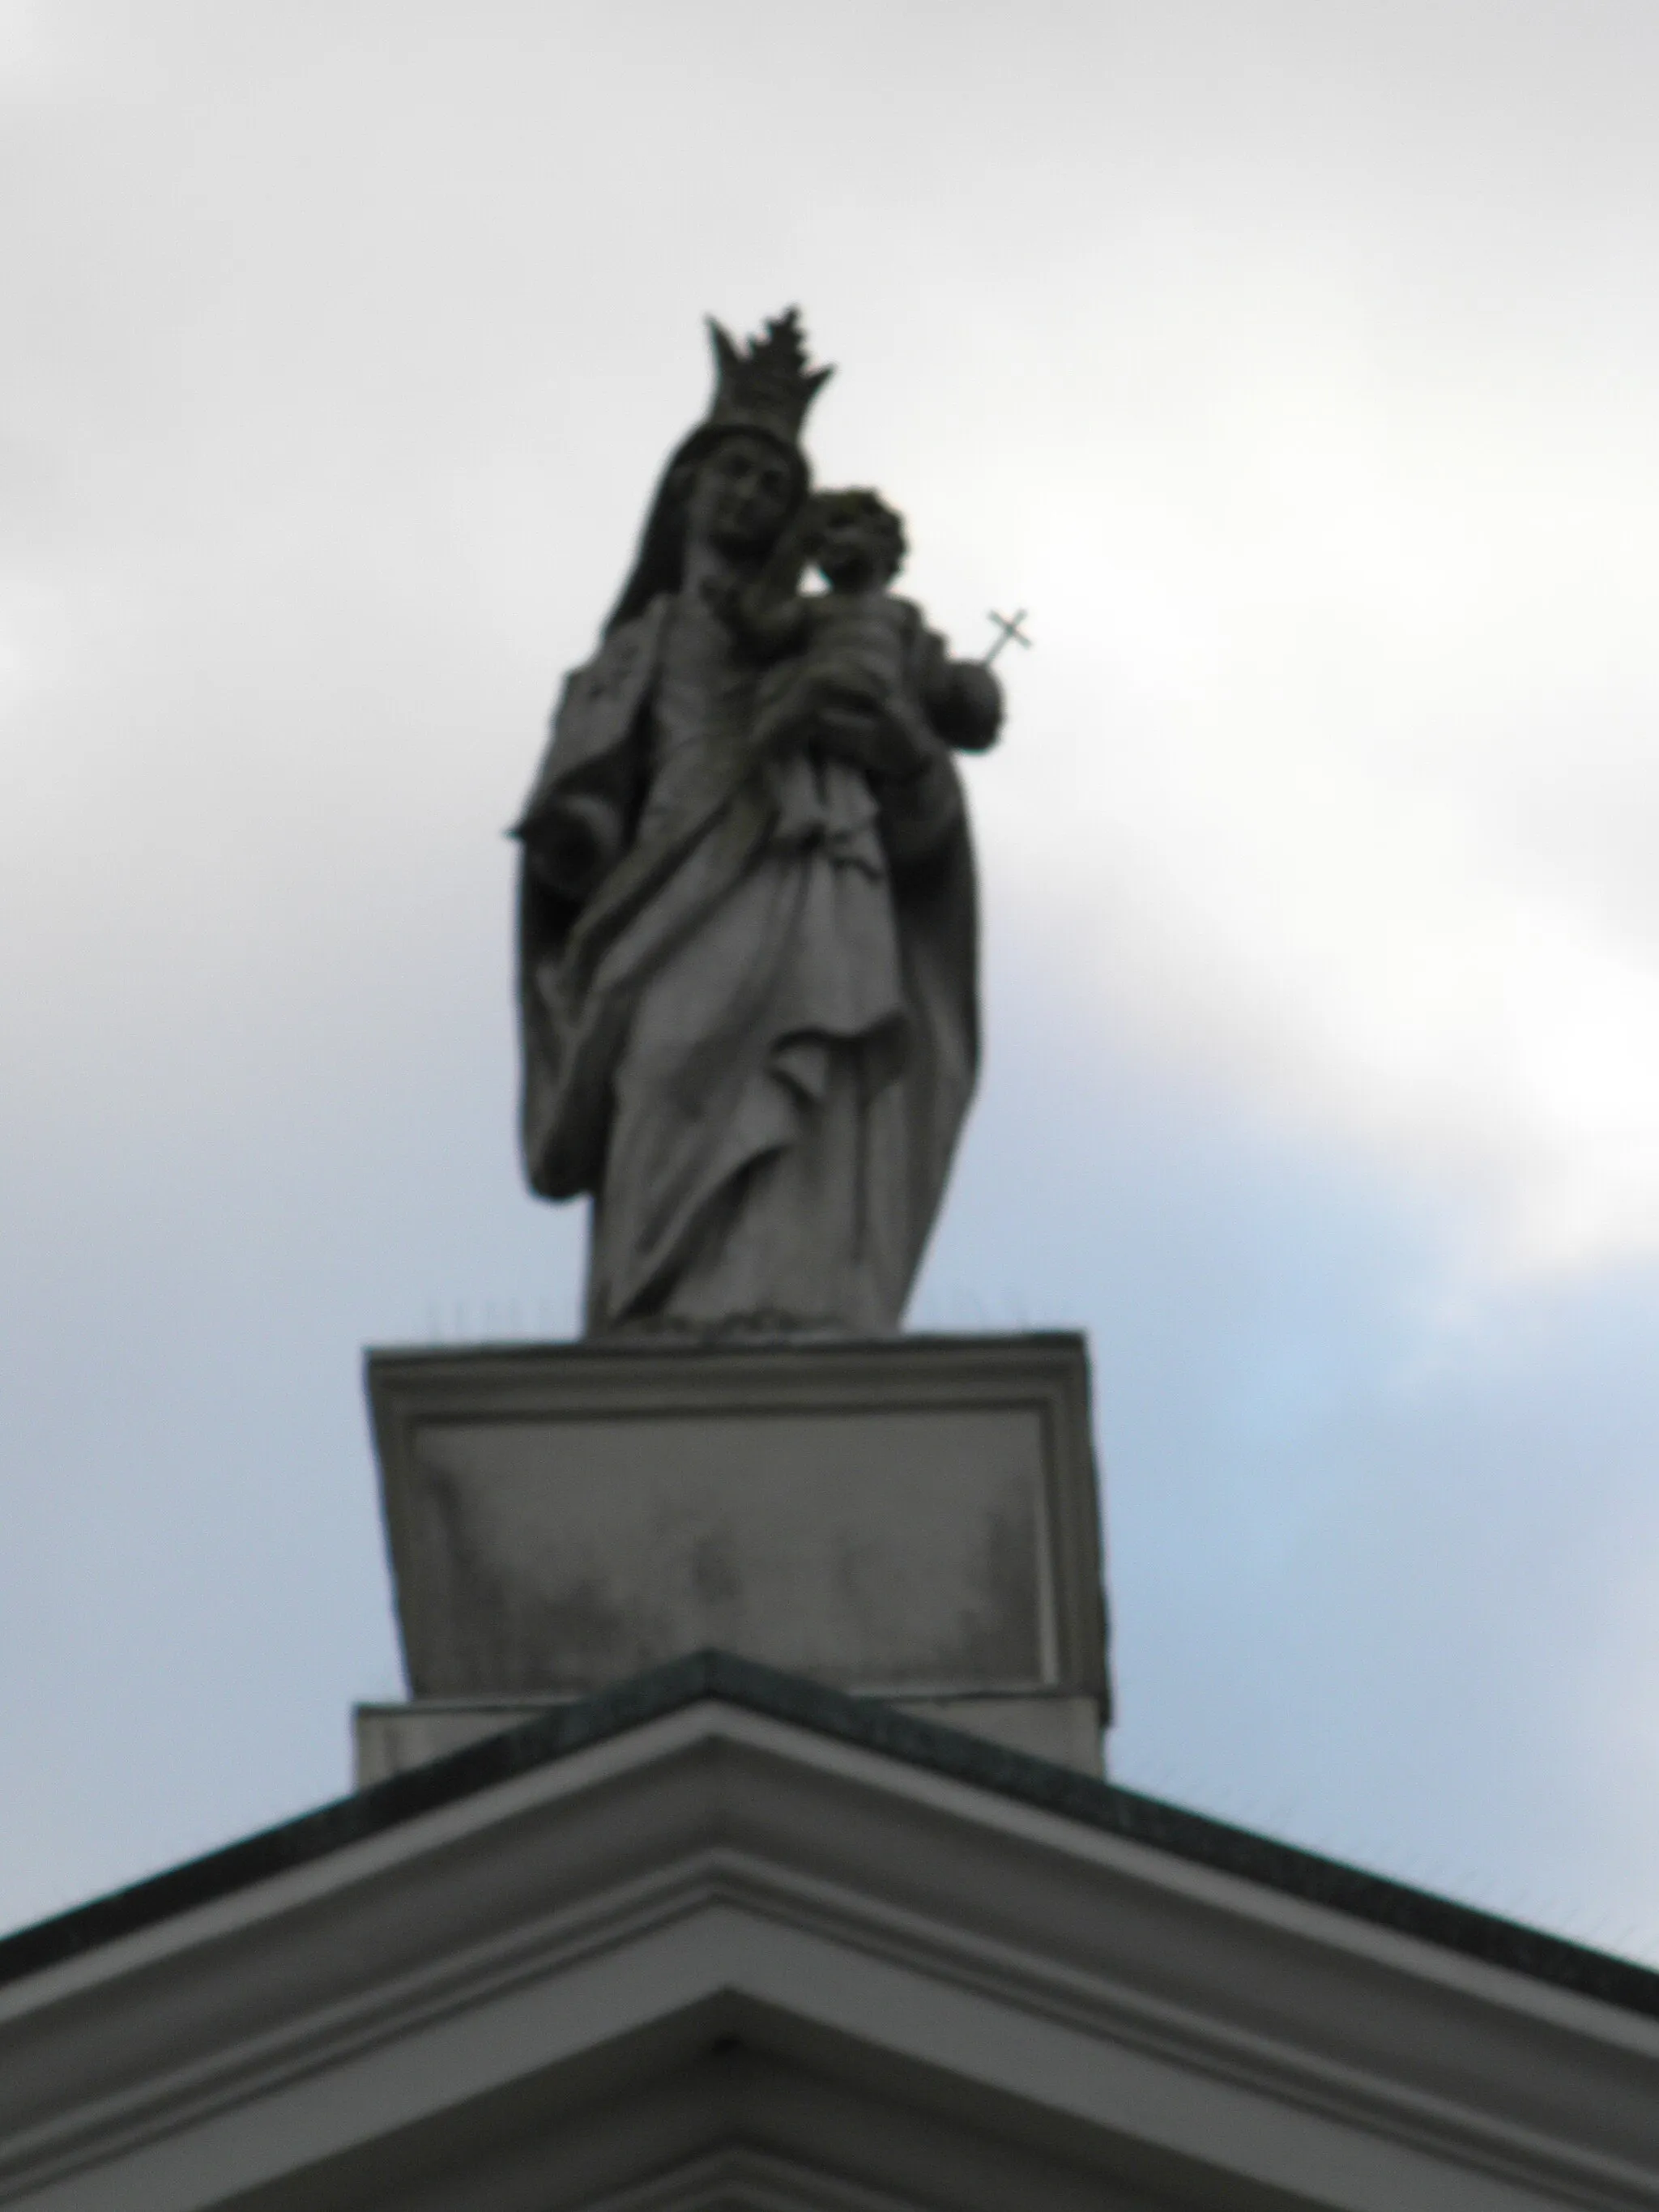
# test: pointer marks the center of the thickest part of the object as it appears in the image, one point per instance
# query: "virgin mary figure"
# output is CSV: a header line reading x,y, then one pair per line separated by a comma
x,y
747,982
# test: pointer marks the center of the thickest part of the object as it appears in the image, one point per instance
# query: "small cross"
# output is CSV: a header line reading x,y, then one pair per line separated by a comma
x,y
1009,626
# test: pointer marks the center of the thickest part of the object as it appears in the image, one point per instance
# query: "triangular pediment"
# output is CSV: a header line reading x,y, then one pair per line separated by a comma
x,y
715,1953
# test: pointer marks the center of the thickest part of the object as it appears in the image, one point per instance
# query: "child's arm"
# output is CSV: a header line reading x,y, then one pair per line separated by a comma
x,y
767,614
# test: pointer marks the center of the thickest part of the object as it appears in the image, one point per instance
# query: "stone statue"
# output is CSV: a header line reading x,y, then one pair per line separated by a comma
x,y
747,934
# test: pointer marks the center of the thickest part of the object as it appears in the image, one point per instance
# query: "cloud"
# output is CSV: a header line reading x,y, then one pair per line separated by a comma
x,y
31,55
1353,707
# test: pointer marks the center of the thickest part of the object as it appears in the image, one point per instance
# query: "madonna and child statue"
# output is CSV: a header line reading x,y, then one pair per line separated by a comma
x,y
748,1007
747,984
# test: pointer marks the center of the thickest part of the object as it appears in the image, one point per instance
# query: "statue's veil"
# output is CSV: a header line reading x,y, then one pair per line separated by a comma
x,y
763,389
659,564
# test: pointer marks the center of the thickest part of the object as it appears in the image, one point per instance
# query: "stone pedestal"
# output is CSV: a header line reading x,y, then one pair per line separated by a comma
x,y
912,1518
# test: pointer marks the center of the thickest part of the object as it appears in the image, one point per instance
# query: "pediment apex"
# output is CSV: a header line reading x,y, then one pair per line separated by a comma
x,y
927,1923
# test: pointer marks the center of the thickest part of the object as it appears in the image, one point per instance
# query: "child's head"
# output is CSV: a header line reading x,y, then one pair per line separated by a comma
x,y
859,538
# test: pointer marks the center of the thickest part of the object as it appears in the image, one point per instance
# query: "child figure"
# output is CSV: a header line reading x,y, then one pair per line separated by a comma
x,y
855,665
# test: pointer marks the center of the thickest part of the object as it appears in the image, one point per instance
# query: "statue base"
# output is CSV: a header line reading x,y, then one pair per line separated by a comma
x,y
910,1518
1058,1726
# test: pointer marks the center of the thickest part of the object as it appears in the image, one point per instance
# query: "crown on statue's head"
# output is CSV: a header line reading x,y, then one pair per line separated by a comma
x,y
766,386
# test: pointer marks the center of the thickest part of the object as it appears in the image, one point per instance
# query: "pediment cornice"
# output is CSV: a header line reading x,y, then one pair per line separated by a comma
x,y
599,1924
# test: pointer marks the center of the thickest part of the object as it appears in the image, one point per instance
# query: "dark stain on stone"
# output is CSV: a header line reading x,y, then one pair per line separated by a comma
x,y
714,1575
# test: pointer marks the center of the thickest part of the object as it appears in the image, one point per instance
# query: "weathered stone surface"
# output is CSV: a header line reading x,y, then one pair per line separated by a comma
x,y
747,940
914,1518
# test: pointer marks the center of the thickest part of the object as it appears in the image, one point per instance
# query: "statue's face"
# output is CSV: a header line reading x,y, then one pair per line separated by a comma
x,y
741,497
851,547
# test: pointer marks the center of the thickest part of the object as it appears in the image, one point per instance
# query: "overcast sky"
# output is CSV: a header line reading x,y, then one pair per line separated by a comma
x,y
1296,365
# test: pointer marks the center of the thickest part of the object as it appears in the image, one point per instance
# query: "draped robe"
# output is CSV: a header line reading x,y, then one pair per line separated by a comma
x,y
747,993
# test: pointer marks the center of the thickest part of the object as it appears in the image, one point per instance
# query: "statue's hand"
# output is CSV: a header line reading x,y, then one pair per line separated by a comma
x,y
872,739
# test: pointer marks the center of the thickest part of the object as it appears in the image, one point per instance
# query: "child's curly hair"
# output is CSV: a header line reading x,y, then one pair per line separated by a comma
x,y
868,506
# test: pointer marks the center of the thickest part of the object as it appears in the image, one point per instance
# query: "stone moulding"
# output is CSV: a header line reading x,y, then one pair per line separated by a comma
x,y
709,1930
